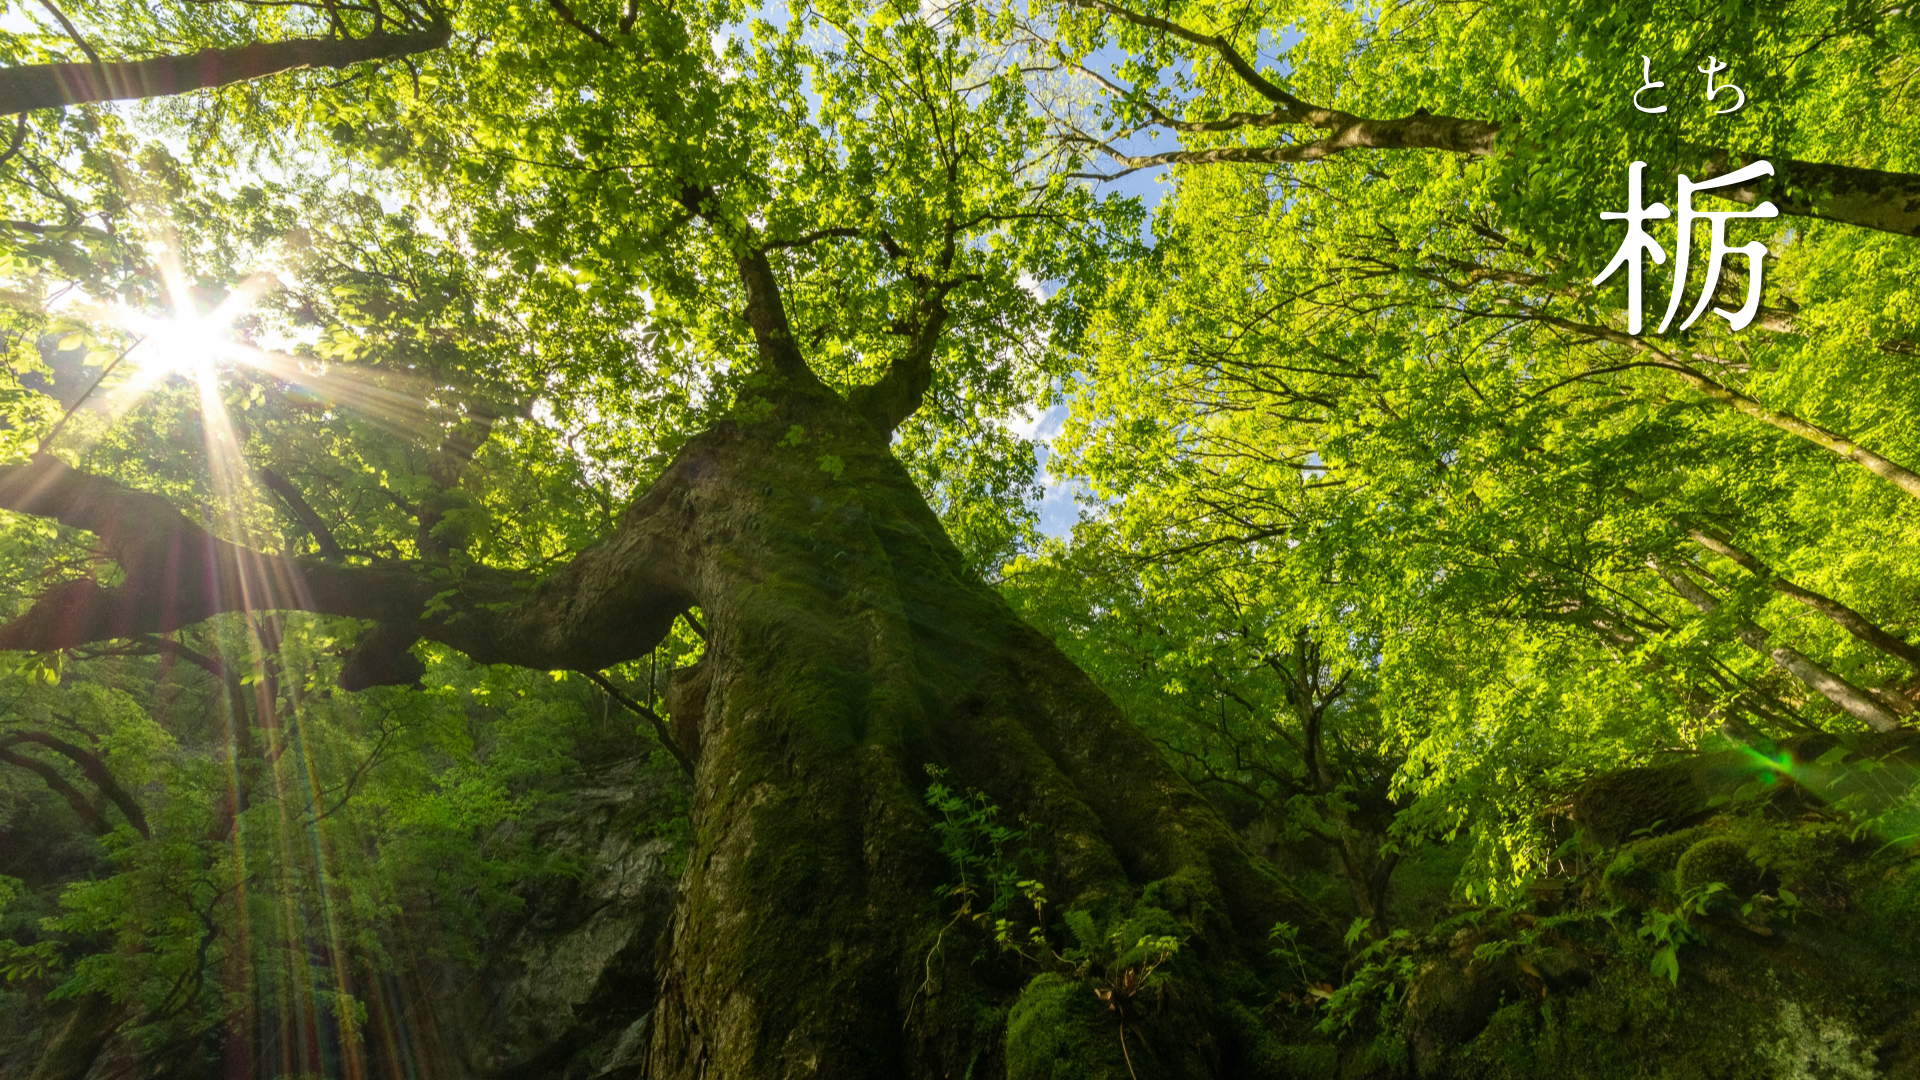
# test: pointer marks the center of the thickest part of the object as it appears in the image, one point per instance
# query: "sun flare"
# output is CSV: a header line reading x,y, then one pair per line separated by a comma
x,y
190,347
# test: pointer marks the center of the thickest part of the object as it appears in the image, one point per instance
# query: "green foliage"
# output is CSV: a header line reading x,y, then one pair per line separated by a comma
x,y
375,819
1385,512
1376,396
1381,972
993,869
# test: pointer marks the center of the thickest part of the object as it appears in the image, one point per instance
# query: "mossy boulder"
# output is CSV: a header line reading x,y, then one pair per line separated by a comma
x,y
1059,1031
1454,997
1642,872
1719,859
1613,806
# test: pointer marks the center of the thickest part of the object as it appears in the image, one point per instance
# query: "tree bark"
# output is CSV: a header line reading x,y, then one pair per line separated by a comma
x,y
1852,700
849,648
1842,616
47,86
1870,198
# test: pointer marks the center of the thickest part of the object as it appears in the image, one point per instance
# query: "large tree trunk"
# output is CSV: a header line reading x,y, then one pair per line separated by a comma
x,y
849,648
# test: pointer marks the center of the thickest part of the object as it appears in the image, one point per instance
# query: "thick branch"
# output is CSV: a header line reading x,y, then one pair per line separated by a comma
x,y
302,511
1218,44
898,394
88,813
1344,132
72,31
1870,198
46,86
614,602
566,15
766,316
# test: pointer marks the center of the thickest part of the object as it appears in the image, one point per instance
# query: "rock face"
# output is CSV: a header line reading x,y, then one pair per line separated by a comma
x,y
1724,925
566,988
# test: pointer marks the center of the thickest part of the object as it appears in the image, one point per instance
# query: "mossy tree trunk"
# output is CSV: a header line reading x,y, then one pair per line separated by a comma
x,y
849,648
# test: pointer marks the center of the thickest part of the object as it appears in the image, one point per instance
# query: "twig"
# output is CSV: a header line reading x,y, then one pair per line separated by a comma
x,y
19,139
632,706
71,409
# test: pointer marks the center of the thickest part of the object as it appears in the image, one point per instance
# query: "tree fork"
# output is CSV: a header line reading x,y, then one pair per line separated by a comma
x,y
858,651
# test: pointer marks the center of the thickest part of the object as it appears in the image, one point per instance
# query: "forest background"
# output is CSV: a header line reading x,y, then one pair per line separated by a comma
x,y
370,365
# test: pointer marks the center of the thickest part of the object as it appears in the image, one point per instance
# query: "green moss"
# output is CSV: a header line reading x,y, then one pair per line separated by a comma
x,y
1613,806
1813,859
1718,859
1059,1031
1641,872
1385,1055
1889,903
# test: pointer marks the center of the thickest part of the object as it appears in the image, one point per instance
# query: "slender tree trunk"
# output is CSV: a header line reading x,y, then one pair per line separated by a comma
x,y
1893,472
1852,700
849,649
1843,616
46,86
72,1052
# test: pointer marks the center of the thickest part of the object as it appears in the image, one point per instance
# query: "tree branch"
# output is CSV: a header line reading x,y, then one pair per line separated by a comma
x,y
1876,199
1218,44
612,603
1852,700
567,16
1843,616
651,717
303,512
65,24
88,813
94,769
46,86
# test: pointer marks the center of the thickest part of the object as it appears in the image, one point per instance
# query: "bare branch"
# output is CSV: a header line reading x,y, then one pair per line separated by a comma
x,y
567,16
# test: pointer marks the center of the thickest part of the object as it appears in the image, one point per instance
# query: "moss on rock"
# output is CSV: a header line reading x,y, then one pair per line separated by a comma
x,y
1718,859
1059,1031
1614,806
1641,873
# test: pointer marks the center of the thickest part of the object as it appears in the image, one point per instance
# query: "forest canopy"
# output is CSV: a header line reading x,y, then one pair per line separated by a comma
x,y
527,518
